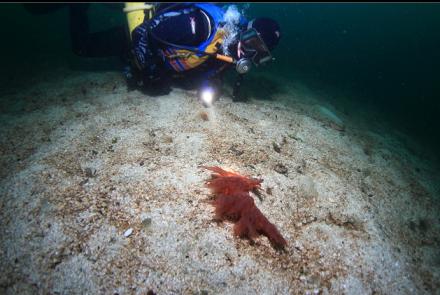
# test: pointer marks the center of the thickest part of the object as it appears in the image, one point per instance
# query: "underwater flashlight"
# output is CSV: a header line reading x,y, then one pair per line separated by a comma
x,y
207,95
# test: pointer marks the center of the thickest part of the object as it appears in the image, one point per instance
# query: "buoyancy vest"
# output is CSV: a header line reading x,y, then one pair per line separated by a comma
x,y
182,59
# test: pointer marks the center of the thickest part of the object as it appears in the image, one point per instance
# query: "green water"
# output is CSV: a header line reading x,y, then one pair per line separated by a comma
x,y
384,55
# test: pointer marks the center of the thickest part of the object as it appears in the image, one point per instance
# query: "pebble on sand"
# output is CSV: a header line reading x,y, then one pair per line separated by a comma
x,y
128,232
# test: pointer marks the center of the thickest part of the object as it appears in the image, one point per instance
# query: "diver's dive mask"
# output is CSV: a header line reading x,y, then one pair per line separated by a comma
x,y
254,47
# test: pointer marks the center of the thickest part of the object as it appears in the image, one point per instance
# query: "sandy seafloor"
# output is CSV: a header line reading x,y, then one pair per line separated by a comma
x,y
83,161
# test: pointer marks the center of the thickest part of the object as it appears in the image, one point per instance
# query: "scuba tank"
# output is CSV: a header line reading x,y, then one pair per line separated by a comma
x,y
136,14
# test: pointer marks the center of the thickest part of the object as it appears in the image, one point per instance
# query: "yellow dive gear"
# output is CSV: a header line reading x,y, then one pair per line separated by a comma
x,y
136,14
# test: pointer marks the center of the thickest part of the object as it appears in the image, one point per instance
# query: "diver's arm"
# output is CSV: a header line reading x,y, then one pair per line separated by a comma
x,y
140,50
143,55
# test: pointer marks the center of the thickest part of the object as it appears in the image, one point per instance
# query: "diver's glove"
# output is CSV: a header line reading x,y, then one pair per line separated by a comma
x,y
151,74
150,78
132,78
143,55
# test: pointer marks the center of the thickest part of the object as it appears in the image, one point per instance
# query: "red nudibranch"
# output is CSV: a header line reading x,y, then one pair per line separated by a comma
x,y
234,202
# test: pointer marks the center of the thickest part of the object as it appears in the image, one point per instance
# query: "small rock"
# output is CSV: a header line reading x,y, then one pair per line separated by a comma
x,y
204,116
55,261
167,139
293,136
128,232
276,147
280,168
337,127
56,258
300,169
84,182
90,172
114,140
146,222
235,151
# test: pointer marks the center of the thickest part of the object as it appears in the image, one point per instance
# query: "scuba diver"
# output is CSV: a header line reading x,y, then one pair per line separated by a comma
x,y
165,41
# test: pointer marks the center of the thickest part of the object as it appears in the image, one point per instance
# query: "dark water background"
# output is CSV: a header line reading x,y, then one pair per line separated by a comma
x,y
385,56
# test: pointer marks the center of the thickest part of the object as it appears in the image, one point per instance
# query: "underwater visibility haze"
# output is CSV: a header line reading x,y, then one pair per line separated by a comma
x,y
323,179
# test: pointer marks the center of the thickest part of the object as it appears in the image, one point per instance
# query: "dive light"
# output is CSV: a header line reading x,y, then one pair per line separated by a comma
x,y
208,93
207,96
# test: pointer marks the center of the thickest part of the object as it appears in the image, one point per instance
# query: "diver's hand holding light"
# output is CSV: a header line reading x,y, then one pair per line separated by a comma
x,y
251,51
